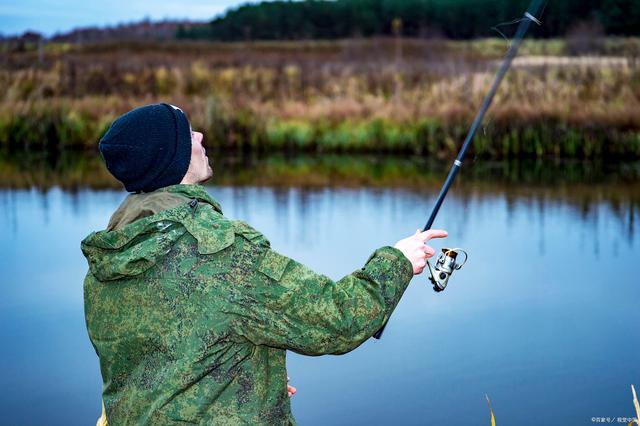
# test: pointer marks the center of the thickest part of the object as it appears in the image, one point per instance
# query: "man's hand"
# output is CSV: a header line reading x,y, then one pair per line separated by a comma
x,y
290,389
416,250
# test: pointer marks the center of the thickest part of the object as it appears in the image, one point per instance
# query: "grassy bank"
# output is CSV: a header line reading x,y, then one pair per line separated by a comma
x,y
351,96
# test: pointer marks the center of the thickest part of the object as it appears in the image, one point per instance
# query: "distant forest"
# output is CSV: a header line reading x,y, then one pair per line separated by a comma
x,y
455,19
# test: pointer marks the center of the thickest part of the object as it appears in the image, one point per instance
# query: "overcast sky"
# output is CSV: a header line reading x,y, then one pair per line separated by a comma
x,y
51,16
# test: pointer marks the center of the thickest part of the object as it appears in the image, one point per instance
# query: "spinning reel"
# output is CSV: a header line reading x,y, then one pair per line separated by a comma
x,y
445,265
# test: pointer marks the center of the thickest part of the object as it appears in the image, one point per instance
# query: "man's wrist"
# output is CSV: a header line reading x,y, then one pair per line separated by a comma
x,y
403,265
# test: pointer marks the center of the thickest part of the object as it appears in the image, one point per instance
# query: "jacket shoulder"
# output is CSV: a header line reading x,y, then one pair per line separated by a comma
x,y
249,233
214,232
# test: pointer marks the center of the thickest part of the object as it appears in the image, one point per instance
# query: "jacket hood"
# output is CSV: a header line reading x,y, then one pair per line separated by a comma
x,y
146,226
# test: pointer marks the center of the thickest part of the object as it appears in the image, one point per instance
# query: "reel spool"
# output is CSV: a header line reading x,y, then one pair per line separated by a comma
x,y
445,265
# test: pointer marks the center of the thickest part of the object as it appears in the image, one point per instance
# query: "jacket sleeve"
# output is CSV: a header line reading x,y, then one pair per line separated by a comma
x,y
288,306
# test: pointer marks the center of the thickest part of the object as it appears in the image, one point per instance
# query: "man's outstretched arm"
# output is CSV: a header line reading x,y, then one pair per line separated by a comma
x,y
289,306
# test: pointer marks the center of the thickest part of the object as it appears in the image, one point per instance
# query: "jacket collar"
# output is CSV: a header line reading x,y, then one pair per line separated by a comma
x,y
192,191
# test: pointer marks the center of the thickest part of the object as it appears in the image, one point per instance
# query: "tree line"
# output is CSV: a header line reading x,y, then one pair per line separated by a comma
x,y
456,19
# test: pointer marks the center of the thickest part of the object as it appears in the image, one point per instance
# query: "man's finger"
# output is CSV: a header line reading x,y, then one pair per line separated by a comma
x,y
429,251
433,233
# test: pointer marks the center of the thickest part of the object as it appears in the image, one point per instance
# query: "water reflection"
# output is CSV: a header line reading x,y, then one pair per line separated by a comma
x,y
601,200
581,184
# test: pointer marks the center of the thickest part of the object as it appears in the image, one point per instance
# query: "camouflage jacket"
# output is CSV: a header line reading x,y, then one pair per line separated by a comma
x,y
191,313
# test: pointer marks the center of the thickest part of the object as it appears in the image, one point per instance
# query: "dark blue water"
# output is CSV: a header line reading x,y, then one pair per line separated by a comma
x,y
543,318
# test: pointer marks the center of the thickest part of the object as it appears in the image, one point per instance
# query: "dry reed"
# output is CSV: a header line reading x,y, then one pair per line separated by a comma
x,y
330,96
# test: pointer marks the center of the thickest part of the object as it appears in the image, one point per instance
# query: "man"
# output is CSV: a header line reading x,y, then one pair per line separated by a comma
x,y
191,313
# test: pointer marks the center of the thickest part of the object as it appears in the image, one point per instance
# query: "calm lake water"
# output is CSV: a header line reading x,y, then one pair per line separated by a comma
x,y
543,319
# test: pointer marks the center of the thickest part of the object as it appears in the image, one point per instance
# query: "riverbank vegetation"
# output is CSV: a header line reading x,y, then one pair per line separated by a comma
x,y
349,96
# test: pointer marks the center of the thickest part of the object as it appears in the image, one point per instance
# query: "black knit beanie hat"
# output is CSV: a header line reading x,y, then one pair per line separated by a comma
x,y
148,148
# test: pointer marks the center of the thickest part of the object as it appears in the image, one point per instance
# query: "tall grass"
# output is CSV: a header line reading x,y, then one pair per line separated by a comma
x,y
636,405
493,417
330,97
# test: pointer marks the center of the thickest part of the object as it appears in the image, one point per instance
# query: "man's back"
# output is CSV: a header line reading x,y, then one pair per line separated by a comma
x,y
157,319
191,313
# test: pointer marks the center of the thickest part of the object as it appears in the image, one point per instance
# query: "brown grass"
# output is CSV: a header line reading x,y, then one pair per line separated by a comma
x,y
246,95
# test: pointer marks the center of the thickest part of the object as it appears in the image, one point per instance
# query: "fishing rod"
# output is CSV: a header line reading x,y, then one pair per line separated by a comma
x,y
448,262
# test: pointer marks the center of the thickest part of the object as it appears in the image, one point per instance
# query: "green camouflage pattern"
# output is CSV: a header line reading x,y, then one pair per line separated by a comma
x,y
191,313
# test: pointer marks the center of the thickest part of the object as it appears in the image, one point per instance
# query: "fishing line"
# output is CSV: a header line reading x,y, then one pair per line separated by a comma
x,y
496,28
503,35
544,7
504,24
